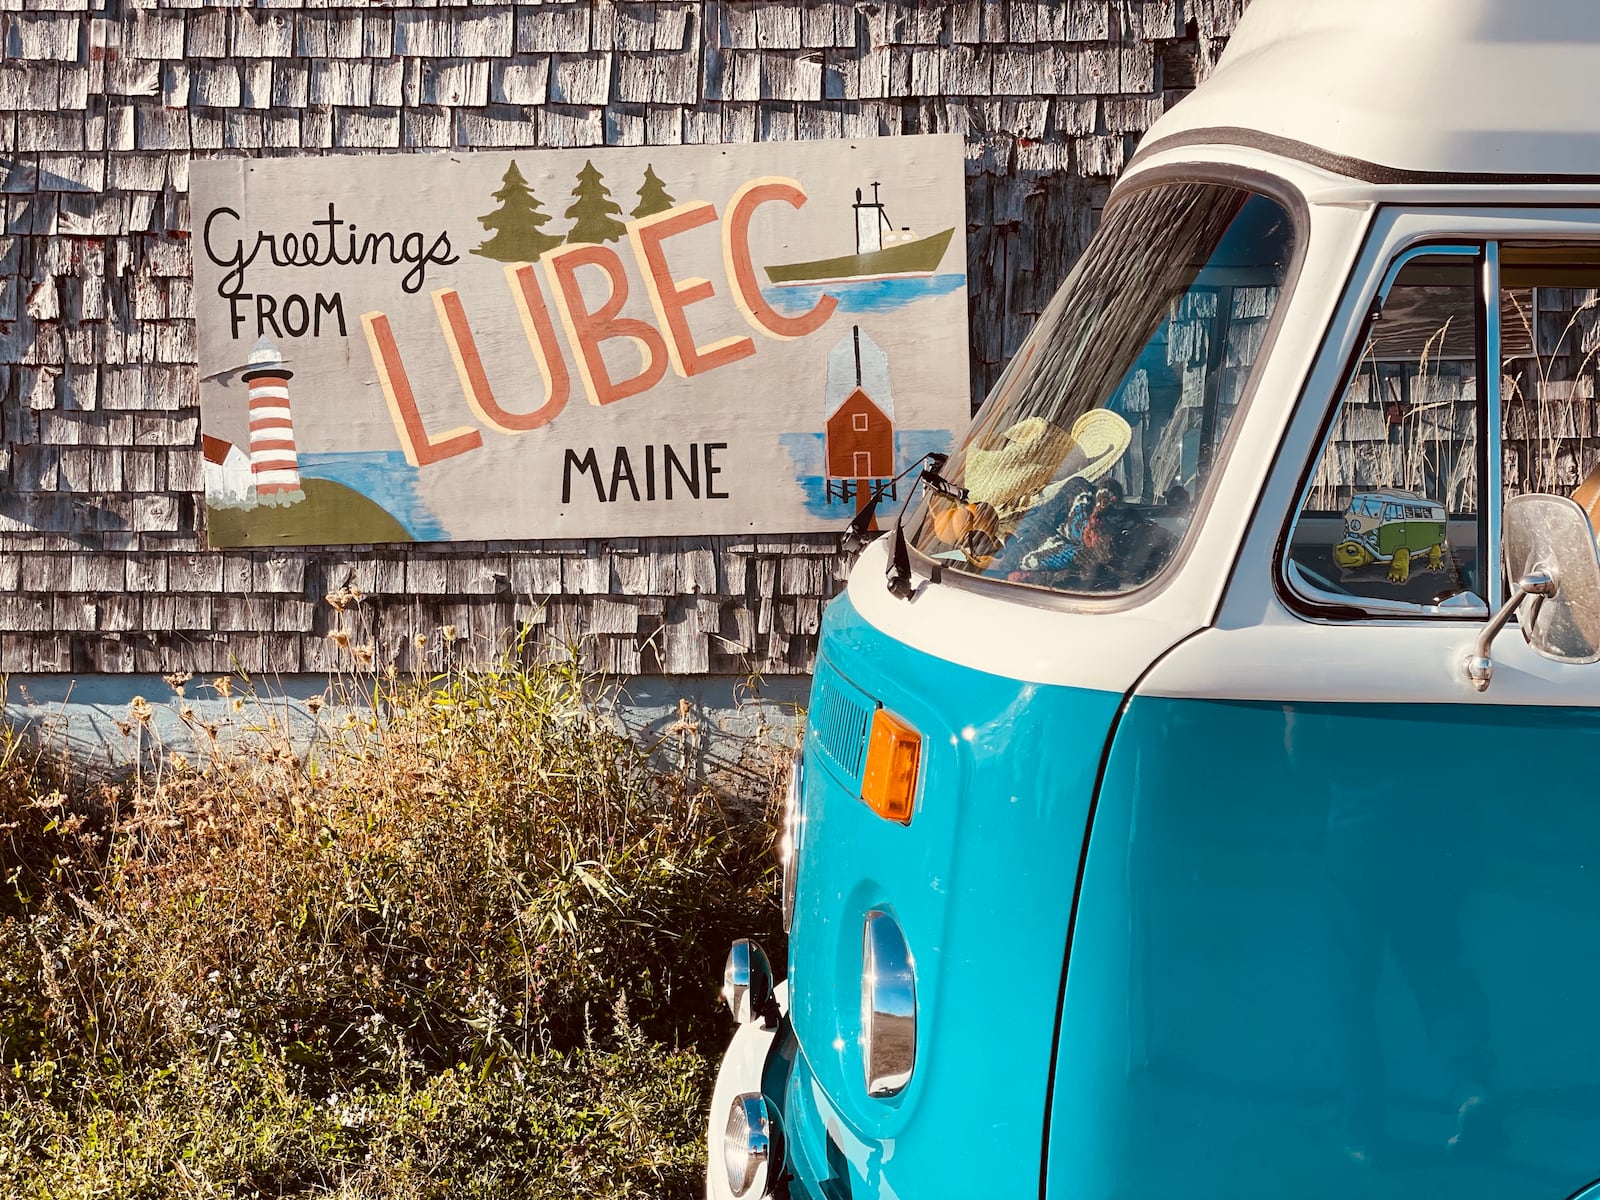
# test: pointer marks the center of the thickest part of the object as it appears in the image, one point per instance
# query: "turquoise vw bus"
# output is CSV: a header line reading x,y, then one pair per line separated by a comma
x,y
1146,842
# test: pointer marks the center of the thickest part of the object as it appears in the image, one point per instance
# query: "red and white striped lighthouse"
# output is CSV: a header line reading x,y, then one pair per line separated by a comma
x,y
273,460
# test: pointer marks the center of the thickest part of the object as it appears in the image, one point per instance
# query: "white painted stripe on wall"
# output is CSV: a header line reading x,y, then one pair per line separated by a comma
x,y
268,389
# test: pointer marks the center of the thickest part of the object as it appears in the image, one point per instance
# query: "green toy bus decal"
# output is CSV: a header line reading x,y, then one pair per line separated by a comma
x,y
1392,527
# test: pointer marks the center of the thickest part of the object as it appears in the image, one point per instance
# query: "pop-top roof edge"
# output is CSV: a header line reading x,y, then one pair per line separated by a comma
x,y
1425,91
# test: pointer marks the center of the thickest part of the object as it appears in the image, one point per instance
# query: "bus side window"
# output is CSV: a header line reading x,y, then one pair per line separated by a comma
x,y
1550,340
1390,520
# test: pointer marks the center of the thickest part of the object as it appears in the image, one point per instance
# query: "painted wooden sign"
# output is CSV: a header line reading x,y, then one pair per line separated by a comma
x,y
540,344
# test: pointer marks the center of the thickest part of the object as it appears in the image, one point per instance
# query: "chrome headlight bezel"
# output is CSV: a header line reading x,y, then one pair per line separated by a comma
x,y
751,1148
789,847
888,1006
747,983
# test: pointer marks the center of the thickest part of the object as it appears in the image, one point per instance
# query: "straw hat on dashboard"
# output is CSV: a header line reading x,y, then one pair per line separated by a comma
x,y
1034,452
1029,453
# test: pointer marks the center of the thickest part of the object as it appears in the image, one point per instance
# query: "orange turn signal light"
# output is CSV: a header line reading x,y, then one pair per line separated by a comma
x,y
889,783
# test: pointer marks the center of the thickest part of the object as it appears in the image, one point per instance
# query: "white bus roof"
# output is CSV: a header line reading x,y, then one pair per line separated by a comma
x,y
1408,91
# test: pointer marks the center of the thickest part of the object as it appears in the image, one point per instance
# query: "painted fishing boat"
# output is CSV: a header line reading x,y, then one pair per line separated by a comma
x,y
882,252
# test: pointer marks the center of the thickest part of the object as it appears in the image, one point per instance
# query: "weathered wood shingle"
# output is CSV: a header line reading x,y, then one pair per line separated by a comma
x,y
103,562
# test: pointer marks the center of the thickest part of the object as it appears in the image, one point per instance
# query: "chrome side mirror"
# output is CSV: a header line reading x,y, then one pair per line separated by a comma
x,y
1550,551
747,984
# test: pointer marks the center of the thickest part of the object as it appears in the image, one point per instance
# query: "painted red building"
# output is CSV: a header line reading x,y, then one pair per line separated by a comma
x,y
860,440
858,429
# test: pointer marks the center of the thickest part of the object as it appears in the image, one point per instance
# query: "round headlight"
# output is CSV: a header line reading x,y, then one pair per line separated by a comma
x,y
888,1006
790,849
747,1145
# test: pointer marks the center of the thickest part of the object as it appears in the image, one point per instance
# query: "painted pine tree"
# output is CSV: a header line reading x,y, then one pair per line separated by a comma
x,y
593,212
653,197
515,224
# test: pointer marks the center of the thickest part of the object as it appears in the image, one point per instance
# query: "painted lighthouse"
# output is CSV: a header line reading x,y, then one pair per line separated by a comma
x,y
858,434
274,462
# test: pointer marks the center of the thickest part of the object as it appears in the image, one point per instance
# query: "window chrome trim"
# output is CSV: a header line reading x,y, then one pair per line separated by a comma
x,y
1406,257
1492,436
1462,604
1293,584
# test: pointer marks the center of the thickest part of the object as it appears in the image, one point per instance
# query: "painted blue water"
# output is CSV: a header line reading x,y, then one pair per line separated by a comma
x,y
864,296
806,452
385,478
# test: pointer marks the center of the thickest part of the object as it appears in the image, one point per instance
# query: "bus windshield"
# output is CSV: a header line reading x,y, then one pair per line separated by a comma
x,y
1086,461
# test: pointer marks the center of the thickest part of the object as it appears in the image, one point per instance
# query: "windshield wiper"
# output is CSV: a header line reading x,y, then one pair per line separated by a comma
x,y
898,573
856,533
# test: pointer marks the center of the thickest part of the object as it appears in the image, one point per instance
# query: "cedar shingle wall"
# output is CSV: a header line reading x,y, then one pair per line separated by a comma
x,y
103,565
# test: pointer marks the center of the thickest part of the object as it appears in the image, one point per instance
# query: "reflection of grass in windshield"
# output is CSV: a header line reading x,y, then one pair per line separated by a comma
x,y
1117,296
1427,408
1126,386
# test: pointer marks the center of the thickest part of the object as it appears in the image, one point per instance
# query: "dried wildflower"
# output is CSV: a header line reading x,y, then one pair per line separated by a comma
x,y
448,633
343,598
187,713
125,728
314,705
363,654
177,679
139,708
223,685
420,641
179,762
238,704
340,638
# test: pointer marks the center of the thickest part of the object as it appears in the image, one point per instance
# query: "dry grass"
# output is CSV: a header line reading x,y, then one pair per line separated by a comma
x,y
467,945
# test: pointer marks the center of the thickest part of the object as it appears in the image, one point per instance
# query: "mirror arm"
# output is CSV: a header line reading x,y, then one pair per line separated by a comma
x,y
1480,668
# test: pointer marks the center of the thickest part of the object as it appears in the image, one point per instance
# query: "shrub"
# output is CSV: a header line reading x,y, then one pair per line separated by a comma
x,y
465,946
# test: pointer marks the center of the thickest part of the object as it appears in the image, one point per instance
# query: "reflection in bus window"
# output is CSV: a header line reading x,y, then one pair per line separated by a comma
x,y
1550,338
1086,463
1391,513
